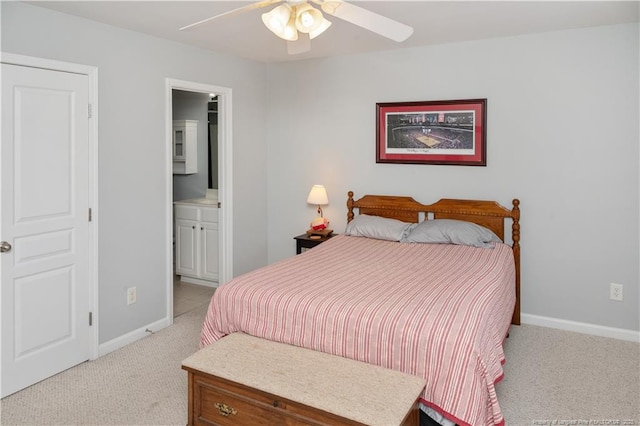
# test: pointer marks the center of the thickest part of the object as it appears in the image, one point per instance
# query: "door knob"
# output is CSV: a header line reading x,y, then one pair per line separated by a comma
x,y
4,247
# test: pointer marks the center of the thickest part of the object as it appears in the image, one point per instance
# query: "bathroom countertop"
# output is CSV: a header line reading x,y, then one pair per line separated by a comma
x,y
199,201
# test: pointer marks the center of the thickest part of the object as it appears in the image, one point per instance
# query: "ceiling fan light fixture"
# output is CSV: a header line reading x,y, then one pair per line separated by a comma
x,y
290,32
331,6
307,18
298,20
324,24
277,19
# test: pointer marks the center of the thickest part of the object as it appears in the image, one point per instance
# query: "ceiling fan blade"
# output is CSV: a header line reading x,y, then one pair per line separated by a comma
x,y
368,20
302,45
237,11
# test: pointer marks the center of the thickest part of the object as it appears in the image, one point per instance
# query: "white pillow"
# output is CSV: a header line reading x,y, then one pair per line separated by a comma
x,y
450,231
377,227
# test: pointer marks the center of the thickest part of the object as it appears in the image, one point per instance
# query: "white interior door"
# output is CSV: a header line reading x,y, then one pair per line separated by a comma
x,y
46,283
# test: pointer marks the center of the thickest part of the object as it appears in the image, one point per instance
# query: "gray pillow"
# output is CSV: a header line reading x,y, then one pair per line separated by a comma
x,y
377,227
450,231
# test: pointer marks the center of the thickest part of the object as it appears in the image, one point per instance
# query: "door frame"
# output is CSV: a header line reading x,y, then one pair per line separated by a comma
x,y
225,179
92,75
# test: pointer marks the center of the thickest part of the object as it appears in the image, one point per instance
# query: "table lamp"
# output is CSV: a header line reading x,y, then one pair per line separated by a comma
x,y
318,196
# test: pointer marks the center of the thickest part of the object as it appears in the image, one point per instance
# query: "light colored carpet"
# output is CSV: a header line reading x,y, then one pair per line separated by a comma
x,y
140,384
555,377
552,377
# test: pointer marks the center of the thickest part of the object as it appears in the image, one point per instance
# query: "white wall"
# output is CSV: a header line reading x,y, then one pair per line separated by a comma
x,y
132,176
562,136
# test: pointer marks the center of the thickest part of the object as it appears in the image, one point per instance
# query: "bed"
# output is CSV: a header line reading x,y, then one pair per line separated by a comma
x,y
439,311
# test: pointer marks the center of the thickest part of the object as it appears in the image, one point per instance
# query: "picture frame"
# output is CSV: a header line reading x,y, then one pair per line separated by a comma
x,y
450,132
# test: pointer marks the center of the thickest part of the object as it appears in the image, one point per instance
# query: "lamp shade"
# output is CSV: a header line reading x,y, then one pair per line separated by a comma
x,y
290,31
281,21
318,196
324,24
307,18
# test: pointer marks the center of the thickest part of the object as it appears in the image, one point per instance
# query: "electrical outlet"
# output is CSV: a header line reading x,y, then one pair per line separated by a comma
x,y
615,291
131,295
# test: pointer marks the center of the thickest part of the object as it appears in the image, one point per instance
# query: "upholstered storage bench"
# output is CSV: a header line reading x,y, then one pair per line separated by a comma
x,y
244,380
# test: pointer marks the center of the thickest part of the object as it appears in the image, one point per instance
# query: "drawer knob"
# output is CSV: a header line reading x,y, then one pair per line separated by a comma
x,y
225,410
275,403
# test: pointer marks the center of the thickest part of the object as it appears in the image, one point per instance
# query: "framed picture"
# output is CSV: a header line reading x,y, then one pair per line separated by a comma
x,y
432,132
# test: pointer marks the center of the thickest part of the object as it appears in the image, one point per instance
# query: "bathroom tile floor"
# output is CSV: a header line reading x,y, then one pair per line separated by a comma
x,y
187,296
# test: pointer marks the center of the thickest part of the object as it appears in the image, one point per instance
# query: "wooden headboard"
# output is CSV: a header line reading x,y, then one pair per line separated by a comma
x,y
489,214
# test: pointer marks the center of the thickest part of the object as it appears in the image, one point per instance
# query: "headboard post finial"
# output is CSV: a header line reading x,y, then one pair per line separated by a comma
x,y
349,206
515,236
515,214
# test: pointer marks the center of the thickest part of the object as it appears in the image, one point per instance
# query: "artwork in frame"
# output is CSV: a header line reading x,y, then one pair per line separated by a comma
x,y
432,132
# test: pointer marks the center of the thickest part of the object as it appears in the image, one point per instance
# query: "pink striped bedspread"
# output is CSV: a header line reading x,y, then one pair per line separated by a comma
x,y
438,311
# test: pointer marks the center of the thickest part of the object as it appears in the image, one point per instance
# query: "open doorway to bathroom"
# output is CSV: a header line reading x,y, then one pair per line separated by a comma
x,y
195,198
199,138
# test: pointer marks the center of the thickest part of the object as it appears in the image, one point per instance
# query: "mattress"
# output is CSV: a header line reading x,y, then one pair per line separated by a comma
x,y
438,311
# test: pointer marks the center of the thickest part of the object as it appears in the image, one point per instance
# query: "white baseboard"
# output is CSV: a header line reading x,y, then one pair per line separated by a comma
x,y
581,327
560,324
133,336
198,281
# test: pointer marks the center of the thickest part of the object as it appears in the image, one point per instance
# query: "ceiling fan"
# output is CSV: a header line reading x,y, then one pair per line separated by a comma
x,y
298,21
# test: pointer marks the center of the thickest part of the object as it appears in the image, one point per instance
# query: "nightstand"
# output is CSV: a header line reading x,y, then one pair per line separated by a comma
x,y
305,241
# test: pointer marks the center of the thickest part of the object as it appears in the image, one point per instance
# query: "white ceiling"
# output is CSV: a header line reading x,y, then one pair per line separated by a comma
x,y
434,22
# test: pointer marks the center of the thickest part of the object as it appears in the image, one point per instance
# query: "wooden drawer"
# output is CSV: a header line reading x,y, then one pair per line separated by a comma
x,y
214,397
224,405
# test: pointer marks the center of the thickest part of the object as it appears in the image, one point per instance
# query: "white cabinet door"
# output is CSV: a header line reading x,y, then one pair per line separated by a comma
x,y
179,143
185,146
197,242
187,247
210,253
